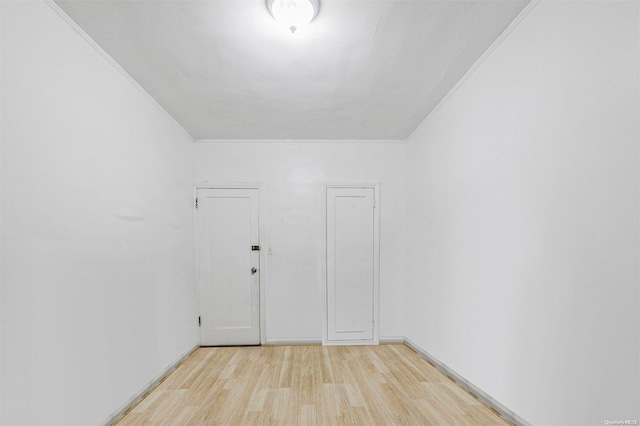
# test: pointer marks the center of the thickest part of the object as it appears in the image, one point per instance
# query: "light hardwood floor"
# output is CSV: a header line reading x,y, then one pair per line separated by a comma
x,y
299,385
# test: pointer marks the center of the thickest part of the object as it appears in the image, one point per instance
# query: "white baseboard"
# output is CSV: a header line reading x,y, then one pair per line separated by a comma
x,y
391,340
503,411
118,414
350,342
293,341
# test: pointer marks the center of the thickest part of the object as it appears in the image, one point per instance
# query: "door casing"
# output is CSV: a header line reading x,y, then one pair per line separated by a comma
x,y
376,274
261,273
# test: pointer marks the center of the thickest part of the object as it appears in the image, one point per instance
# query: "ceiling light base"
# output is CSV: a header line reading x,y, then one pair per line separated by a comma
x,y
293,14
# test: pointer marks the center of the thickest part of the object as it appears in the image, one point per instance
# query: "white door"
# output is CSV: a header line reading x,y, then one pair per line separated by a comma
x,y
228,266
351,264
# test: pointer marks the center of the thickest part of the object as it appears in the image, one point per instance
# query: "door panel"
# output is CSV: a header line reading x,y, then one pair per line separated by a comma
x,y
350,264
229,291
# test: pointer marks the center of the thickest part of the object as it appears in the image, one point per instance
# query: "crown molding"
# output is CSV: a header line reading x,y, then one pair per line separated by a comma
x,y
298,141
62,14
487,53
503,36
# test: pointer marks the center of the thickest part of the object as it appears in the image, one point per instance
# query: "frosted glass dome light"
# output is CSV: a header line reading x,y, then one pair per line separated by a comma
x,y
293,14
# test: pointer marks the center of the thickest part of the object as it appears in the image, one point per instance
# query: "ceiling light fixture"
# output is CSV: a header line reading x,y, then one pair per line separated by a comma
x,y
293,14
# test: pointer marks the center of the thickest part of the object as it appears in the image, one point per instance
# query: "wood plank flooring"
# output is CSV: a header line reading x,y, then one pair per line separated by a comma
x,y
309,385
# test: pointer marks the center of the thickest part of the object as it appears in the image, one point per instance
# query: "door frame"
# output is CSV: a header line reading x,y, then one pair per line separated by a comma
x,y
376,267
261,234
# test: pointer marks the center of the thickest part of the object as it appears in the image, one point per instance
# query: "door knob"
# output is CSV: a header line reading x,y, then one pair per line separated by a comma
x,y
253,271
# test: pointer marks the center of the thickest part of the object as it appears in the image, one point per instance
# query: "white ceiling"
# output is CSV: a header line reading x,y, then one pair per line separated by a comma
x,y
361,70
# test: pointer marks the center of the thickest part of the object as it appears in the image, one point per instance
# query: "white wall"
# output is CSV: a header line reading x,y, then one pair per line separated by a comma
x,y
98,292
1,133
293,175
522,242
